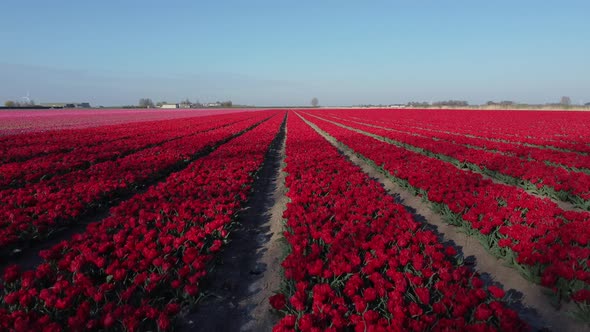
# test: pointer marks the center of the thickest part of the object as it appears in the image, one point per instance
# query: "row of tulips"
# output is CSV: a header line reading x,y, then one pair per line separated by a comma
x,y
536,176
21,147
548,245
33,212
141,267
84,155
568,160
360,262
566,131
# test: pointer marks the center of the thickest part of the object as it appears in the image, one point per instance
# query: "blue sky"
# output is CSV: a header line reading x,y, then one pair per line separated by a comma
x,y
286,52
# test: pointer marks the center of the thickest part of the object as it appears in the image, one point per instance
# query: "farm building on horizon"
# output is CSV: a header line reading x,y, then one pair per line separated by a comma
x,y
170,106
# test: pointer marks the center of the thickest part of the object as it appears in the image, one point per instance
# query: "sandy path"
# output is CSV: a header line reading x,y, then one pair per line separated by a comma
x,y
262,318
534,307
248,271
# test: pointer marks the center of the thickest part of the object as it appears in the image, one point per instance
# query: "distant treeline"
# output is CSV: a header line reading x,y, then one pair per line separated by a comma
x,y
564,103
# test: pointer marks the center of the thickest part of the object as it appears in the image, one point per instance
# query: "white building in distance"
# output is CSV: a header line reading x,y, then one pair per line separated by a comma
x,y
170,106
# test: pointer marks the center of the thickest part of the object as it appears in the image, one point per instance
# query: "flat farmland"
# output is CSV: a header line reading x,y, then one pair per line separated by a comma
x,y
295,220
20,121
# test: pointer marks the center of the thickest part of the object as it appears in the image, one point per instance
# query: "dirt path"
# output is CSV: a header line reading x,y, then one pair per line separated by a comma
x,y
533,305
249,269
263,319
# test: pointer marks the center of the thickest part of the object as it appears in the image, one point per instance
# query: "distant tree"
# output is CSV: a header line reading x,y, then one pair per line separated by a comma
x,y
10,103
315,102
491,103
146,103
587,104
506,103
418,104
226,103
566,101
159,104
452,103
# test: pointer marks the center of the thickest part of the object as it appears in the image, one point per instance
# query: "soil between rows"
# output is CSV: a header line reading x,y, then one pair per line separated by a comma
x,y
248,271
531,303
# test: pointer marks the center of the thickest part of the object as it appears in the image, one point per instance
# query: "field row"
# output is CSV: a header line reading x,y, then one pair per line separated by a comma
x,y
94,149
553,130
136,269
536,175
38,208
547,244
359,261
19,121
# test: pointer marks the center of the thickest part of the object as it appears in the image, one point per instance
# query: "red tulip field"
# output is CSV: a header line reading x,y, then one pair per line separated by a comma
x,y
295,220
